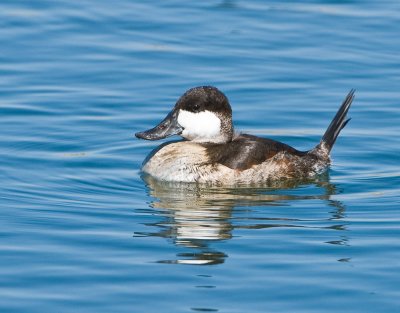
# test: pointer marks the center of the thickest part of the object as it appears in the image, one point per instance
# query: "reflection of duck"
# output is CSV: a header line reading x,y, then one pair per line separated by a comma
x,y
194,216
212,153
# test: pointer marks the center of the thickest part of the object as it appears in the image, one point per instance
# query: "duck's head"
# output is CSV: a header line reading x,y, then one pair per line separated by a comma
x,y
202,114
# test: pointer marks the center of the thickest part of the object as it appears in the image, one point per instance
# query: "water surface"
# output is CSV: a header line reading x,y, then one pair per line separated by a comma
x,y
83,231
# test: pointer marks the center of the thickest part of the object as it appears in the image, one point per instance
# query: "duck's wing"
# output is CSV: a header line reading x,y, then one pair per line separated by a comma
x,y
246,151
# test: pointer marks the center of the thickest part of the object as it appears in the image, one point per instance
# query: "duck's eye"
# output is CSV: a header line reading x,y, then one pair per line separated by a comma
x,y
196,107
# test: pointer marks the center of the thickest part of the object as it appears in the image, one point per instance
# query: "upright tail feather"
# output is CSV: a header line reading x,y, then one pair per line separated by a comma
x,y
338,123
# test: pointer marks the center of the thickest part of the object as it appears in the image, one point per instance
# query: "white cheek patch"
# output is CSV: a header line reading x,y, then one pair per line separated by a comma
x,y
199,126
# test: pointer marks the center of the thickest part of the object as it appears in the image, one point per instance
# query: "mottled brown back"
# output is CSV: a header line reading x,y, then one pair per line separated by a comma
x,y
246,151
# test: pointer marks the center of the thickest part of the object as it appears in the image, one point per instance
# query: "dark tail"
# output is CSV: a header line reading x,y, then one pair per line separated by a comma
x,y
338,123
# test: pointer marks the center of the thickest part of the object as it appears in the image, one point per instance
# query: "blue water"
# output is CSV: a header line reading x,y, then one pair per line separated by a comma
x,y
81,231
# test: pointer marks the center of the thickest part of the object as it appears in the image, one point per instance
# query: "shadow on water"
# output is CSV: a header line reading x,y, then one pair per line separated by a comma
x,y
195,216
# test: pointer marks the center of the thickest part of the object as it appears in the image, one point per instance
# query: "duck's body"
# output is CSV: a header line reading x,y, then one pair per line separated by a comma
x,y
213,154
246,159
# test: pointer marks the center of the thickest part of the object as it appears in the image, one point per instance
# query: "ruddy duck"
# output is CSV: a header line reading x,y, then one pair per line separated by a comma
x,y
213,153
